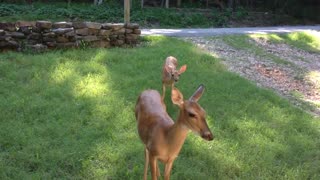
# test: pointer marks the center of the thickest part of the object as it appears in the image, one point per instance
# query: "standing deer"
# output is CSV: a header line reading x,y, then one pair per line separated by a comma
x,y
163,138
170,75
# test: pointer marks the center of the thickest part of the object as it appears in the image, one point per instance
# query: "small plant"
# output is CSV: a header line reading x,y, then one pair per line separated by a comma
x,y
83,44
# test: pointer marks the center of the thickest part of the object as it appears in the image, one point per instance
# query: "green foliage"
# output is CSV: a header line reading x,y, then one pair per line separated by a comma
x,y
113,12
69,115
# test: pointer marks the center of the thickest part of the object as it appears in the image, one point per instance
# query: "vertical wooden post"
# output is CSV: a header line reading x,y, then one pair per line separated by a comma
x,y
126,11
167,3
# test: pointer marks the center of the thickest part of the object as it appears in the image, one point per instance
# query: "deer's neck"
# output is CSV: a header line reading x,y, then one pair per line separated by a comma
x,y
178,134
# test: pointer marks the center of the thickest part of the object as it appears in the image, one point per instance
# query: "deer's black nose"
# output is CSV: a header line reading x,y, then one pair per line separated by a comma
x,y
207,136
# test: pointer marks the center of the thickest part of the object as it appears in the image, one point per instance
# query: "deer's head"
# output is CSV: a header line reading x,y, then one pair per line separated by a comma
x,y
174,73
193,115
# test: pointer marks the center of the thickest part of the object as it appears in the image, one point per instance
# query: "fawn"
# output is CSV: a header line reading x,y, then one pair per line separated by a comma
x,y
170,75
163,138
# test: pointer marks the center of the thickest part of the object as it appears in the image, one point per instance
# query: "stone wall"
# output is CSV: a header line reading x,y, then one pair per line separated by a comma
x,y
41,35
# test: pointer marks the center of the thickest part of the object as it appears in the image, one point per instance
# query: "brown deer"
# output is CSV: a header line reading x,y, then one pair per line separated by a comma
x,y
170,74
162,137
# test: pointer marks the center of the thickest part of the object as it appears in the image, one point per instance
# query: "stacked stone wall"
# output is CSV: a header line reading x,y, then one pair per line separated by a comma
x,y
39,35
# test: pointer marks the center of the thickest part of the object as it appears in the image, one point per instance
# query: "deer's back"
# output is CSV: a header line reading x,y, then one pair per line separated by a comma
x,y
150,114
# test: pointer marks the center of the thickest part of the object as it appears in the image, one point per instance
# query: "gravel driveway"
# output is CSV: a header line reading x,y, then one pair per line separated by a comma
x,y
224,31
298,79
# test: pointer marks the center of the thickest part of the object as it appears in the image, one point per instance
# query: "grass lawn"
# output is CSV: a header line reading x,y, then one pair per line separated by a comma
x,y
69,115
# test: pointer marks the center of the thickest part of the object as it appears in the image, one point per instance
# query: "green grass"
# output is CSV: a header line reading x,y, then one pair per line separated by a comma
x,y
242,42
69,115
307,40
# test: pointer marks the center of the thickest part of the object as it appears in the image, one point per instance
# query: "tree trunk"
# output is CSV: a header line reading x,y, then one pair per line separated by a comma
x,y
178,3
97,2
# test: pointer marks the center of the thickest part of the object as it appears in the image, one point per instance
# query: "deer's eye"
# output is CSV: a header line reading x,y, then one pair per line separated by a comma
x,y
172,75
191,115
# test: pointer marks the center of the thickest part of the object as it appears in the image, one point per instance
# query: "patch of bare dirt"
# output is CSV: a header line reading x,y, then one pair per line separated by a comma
x,y
296,80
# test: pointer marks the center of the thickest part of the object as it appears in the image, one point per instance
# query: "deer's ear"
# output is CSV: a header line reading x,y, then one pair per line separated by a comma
x,y
182,69
176,96
197,94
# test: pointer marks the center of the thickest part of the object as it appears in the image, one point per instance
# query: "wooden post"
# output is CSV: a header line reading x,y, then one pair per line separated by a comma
x,y
126,11
167,3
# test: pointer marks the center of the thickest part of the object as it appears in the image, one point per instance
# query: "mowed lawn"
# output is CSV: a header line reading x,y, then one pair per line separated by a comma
x,y
70,115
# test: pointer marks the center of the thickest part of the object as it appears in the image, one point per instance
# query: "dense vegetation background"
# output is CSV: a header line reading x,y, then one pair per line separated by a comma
x,y
193,13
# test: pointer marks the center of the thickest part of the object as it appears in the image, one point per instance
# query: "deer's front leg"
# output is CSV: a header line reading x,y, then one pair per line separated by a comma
x,y
167,170
153,166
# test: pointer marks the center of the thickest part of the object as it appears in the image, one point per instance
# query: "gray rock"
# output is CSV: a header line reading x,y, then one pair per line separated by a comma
x,y
70,34
113,37
25,24
35,36
50,34
36,29
93,31
25,30
83,32
60,31
104,32
120,31
57,25
128,31
137,31
62,39
132,36
44,24
8,26
17,35
93,25
117,26
106,26
121,36
51,44
132,26
90,38
114,26
14,44
49,39
117,42
79,25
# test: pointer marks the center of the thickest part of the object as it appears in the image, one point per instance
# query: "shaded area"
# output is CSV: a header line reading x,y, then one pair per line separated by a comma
x,y
69,115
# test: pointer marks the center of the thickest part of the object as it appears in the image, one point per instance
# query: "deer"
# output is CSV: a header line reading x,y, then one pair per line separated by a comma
x,y
170,74
162,137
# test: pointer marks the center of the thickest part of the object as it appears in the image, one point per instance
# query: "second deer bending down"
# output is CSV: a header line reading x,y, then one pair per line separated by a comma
x,y
162,137
170,74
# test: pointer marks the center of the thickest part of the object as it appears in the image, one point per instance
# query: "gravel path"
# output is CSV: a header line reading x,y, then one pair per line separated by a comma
x,y
296,80
223,31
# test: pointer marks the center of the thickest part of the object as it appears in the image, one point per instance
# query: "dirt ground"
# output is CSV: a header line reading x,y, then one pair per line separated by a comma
x,y
298,79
